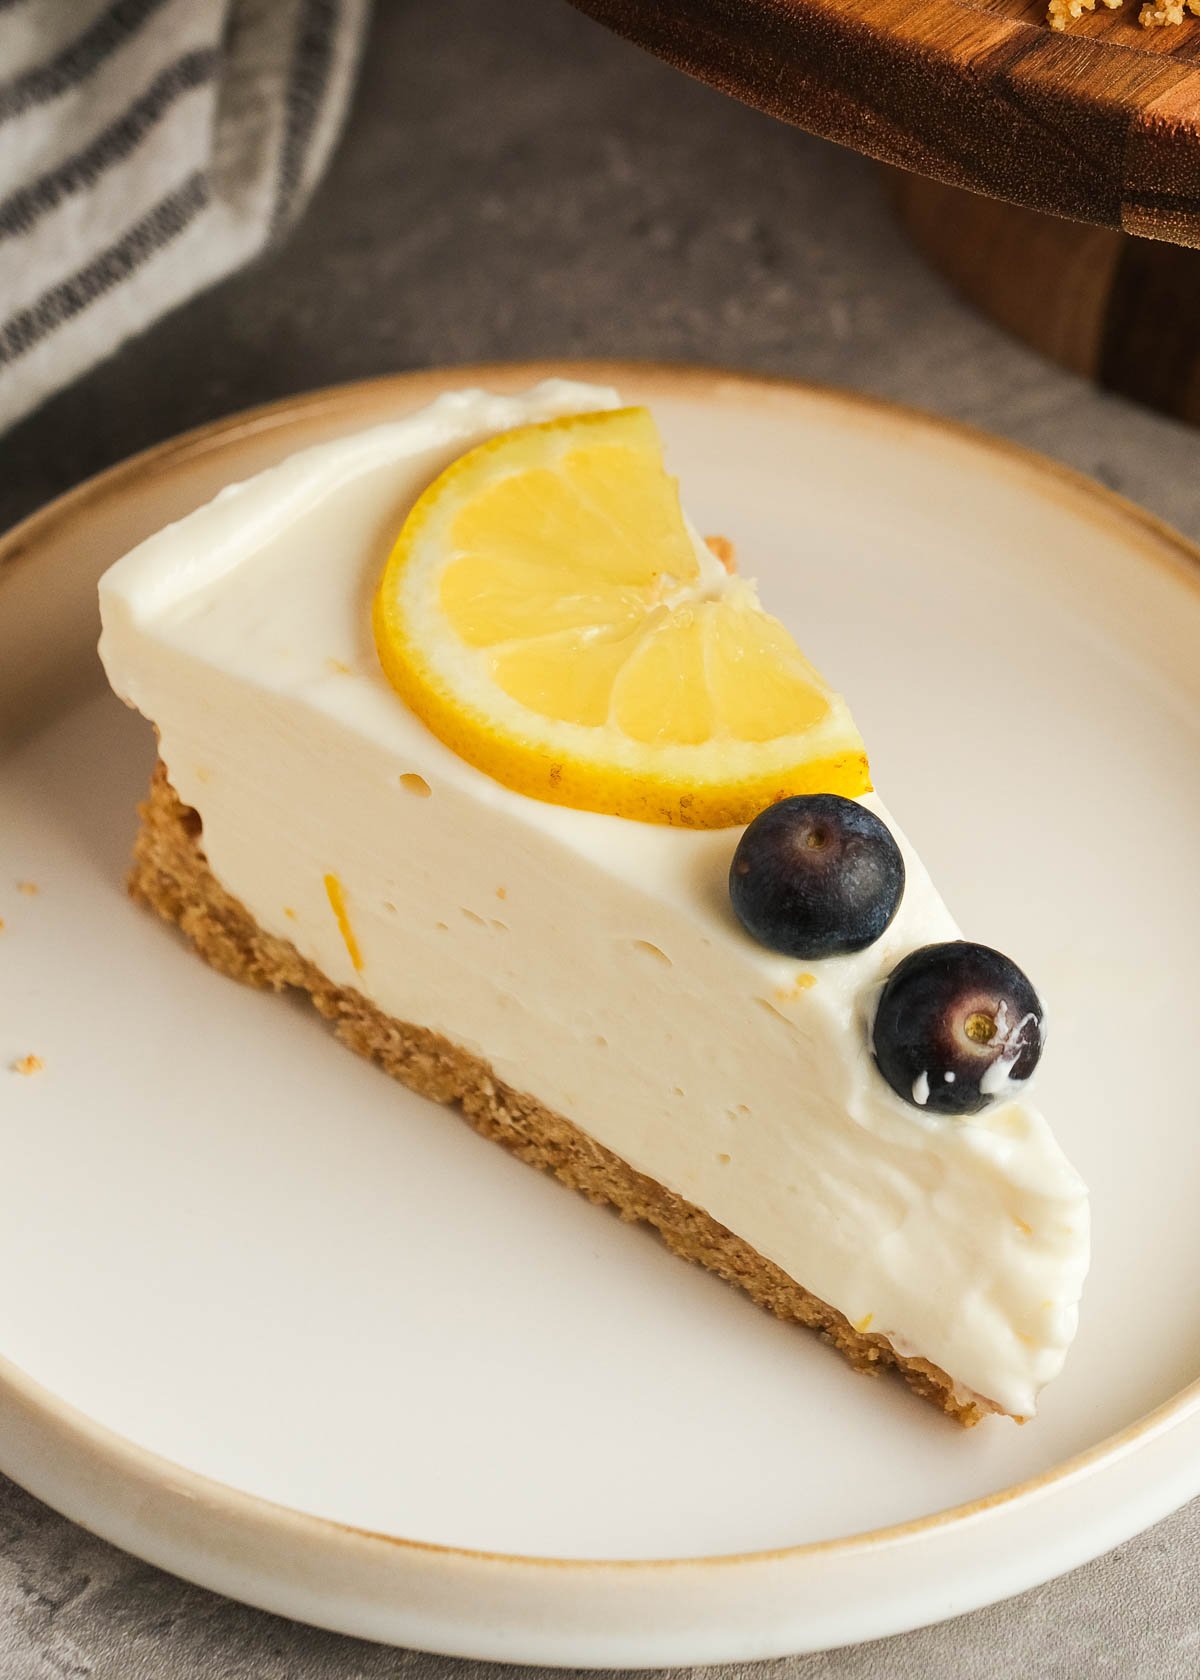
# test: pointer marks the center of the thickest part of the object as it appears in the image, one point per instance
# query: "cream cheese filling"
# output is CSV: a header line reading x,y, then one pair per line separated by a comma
x,y
594,962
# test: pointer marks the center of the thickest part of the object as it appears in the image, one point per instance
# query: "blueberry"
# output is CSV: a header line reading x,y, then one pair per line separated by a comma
x,y
816,876
955,1024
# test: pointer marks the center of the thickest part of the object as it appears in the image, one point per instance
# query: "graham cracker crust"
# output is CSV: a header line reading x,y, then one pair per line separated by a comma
x,y
171,875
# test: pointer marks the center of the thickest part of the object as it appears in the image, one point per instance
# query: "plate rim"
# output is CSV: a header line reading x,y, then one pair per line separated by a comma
x,y
17,542
16,1384
20,545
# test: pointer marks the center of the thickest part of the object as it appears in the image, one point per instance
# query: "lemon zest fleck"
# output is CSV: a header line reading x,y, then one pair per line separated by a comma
x,y
337,903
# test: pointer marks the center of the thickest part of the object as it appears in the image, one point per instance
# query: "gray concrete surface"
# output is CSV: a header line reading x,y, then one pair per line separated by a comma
x,y
514,182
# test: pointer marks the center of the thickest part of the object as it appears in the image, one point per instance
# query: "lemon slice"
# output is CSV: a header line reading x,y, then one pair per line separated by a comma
x,y
548,614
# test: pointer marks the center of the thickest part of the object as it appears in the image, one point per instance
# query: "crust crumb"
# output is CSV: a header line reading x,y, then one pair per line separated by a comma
x,y
1061,12
29,888
1166,13
1169,12
28,1065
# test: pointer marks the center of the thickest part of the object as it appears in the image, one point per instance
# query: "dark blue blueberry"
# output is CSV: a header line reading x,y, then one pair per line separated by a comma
x,y
816,876
955,1024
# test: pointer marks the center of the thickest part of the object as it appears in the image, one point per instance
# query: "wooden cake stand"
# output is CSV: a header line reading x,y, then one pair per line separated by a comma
x,y
1006,127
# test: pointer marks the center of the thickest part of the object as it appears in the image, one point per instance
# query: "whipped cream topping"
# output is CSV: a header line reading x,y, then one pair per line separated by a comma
x,y
593,961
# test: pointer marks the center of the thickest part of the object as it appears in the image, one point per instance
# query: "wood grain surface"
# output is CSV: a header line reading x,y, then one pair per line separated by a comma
x,y
1119,310
1101,123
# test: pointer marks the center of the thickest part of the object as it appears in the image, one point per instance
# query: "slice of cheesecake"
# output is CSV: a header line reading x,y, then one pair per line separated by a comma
x,y
577,981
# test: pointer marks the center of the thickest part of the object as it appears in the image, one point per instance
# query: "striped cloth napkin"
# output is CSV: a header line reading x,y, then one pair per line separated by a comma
x,y
148,147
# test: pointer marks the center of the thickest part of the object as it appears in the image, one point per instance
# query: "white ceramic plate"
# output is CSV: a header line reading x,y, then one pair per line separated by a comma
x,y
274,1323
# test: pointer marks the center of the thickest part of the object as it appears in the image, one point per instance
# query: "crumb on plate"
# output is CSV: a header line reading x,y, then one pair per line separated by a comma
x,y
27,1065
